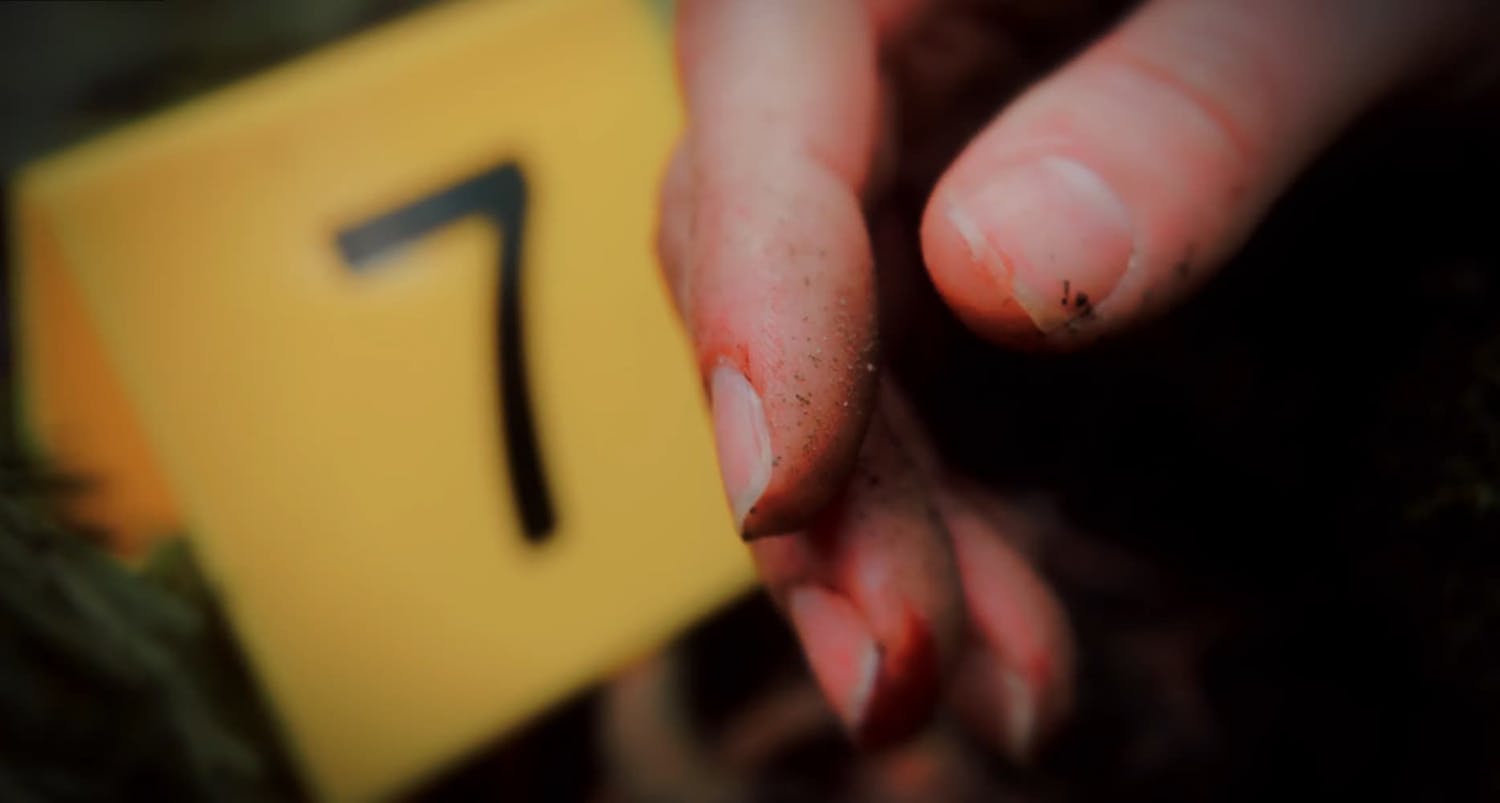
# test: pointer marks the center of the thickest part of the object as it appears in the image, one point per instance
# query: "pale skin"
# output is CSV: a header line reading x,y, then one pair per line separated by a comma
x,y
1099,196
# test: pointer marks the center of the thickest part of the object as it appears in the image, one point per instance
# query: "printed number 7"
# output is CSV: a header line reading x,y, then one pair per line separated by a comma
x,y
500,195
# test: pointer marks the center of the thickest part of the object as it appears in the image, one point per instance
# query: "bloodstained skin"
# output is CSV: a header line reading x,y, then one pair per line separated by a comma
x,y
906,688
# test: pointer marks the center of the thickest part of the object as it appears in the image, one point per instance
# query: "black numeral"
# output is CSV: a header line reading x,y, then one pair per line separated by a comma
x,y
500,195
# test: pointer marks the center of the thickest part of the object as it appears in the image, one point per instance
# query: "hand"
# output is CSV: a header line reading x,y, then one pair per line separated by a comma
x,y
1099,196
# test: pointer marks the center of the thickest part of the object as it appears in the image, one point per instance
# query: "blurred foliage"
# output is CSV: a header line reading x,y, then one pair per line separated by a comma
x,y
116,684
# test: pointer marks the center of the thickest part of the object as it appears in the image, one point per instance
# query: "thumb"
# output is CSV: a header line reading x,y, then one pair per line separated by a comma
x,y
1116,185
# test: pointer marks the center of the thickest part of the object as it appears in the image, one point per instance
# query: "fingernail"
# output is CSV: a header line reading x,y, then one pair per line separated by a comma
x,y
743,440
843,654
882,695
1018,726
1052,233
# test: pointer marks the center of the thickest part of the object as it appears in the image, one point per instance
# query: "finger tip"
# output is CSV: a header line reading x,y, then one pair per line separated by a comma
x,y
1016,687
802,343
1002,706
1025,256
981,298
906,689
817,440
882,691
841,651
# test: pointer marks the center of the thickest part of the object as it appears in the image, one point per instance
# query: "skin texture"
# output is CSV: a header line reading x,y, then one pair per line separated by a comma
x,y
1103,193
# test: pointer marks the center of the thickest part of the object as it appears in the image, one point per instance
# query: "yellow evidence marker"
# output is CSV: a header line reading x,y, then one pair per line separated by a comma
x,y
382,331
